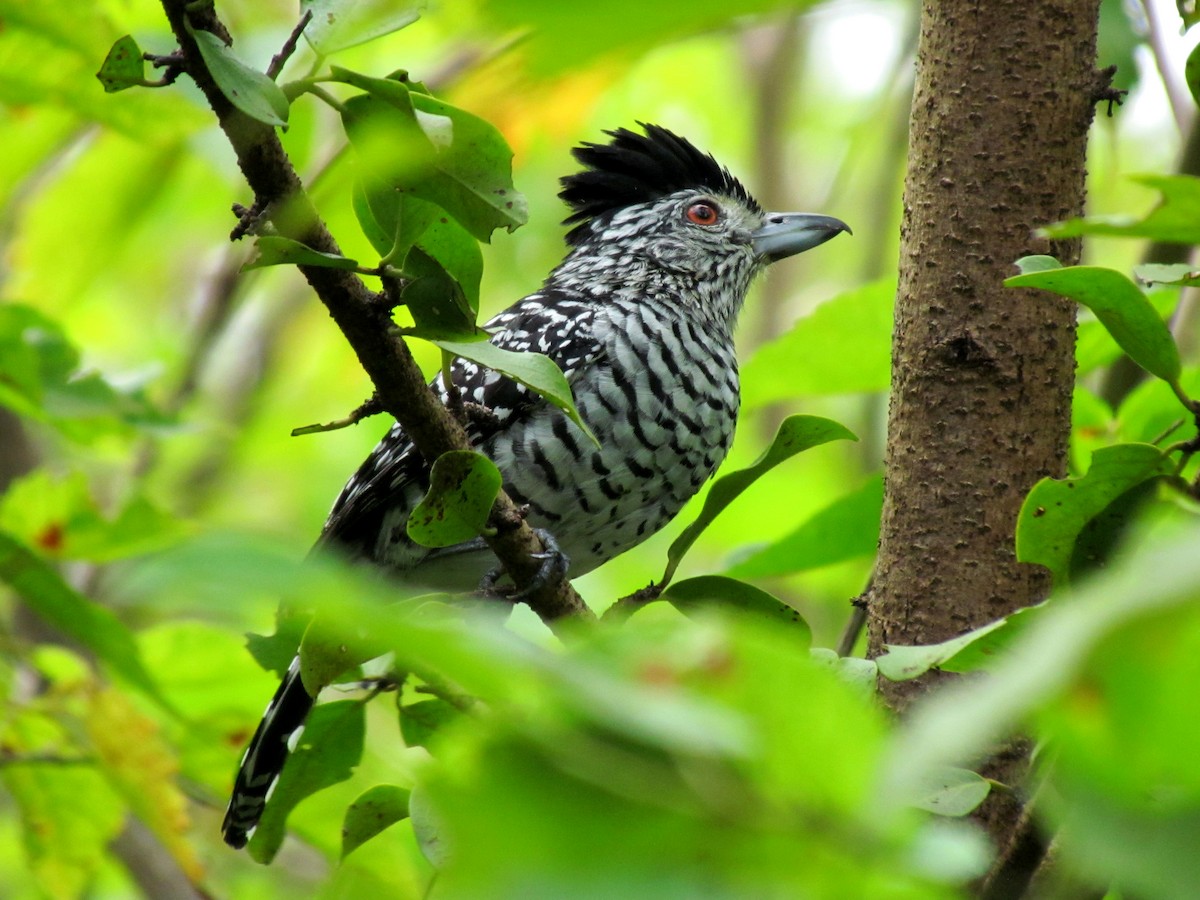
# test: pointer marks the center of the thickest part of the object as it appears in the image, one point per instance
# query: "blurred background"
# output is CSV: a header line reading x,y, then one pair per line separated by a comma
x,y
116,212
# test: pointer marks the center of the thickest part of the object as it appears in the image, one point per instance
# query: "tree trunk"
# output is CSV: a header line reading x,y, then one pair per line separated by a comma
x,y
982,374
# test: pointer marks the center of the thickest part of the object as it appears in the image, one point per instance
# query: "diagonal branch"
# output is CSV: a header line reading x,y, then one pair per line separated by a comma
x,y
356,310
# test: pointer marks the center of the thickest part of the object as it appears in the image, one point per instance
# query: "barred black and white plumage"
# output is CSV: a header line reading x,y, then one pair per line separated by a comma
x,y
639,316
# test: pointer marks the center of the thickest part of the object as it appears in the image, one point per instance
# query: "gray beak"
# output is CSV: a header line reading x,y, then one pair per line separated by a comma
x,y
786,234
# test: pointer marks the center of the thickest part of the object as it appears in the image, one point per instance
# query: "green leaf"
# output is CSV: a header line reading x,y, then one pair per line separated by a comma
x,y
963,721
331,646
1055,512
795,434
846,529
1031,264
462,488
409,143
902,663
1121,306
248,89
951,791
338,24
123,67
374,810
329,749
40,379
436,301
1191,73
56,603
1180,274
990,641
381,238
859,318
69,813
452,247
537,372
693,595
420,721
60,518
1176,219
280,251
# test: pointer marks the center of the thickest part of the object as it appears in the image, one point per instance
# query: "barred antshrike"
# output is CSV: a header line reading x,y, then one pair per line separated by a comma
x,y
640,318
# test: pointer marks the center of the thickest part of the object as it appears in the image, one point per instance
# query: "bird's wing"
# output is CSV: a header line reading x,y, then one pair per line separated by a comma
x,y
555,324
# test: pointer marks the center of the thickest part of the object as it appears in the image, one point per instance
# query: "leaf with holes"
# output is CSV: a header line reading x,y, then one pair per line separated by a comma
x,y
373,811
795,435
462,488
407,142
248,89
1120,305
123,67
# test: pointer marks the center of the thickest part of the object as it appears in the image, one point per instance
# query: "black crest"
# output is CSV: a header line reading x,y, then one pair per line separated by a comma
x,y
635,168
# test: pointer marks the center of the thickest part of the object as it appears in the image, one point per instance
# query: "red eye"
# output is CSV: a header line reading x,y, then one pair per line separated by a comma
x,y
703,213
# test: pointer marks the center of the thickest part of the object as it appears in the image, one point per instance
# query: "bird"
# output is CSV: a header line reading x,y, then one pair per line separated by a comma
x,y
663,244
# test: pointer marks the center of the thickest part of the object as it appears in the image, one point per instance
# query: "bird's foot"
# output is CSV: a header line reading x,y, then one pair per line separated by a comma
x,y
552,570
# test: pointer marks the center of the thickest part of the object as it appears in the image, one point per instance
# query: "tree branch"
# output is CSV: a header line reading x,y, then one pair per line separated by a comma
x,y
398,380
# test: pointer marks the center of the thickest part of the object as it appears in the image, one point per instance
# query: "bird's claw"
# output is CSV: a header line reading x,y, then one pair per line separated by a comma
x,y
552,570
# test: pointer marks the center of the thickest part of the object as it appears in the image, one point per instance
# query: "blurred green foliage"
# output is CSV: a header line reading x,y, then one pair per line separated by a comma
x,y
154,508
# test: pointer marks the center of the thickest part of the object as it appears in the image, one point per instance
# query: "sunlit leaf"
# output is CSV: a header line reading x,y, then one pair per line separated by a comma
x,y
374,810
141,765
847,528
1055,512
795,435
338,24
1176,219
1121,306
693,595
537,372
273,250
68,812
123,67
810,359
54,601
462,488
328,751
248,89
59,517
40,377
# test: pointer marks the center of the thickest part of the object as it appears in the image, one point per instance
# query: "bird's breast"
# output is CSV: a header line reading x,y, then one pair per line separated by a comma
x,y
662,403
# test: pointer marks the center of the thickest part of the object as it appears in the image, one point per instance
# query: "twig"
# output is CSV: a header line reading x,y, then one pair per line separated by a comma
x,y
370,407
279,60
631,603
388,362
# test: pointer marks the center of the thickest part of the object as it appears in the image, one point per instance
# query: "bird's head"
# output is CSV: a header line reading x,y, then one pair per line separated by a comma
x,y
653,206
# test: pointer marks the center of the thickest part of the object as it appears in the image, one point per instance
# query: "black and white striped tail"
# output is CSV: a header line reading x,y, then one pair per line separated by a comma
x,y
278,732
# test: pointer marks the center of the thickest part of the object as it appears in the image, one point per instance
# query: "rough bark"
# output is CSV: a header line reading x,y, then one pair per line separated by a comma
x,y
982,374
